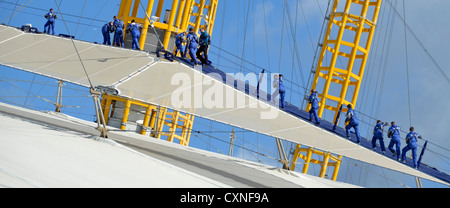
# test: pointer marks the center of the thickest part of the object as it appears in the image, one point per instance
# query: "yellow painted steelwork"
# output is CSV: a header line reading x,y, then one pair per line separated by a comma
x,y
177,122
307,158
353,53
179,19
182,11
155,118
126,112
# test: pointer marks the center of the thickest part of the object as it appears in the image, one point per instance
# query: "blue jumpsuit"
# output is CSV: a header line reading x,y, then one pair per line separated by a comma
x,y
378,135
135,35
314,107
394,134
118,35
179,43
282,92
276,92
202,52
106,29
50,23
351,115
192,43
412,145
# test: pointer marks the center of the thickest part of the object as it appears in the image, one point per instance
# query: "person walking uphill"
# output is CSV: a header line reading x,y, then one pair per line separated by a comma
x,y
353,122
279,90
204,42
394,134
411,144
314,101
282,90
378,135
51,17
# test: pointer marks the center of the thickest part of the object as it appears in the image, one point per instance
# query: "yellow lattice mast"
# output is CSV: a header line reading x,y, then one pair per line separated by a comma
x,y
357,19
174,21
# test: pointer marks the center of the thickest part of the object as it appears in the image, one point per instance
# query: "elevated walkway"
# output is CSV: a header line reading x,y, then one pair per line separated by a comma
x,y
177,85
326,125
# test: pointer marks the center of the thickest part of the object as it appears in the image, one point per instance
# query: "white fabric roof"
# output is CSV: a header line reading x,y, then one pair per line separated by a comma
x,y
36,153
41,156
139,76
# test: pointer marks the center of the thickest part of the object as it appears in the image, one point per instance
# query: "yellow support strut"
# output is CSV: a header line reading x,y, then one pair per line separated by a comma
x,y
156,118
336,161
179,18
354,51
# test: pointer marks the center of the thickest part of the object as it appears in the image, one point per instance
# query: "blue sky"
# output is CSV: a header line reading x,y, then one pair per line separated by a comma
x,y
259,23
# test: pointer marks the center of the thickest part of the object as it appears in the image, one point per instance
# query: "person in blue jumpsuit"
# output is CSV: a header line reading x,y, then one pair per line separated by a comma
x,y
411,144
282,90
106,30
394,134
378,135
179,40
279,90
276,92
135,34
352,120
51,17
314,101
204,41
118,35
192,44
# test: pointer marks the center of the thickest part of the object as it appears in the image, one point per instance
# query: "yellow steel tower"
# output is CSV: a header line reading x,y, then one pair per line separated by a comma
x,y
174,21
347,42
